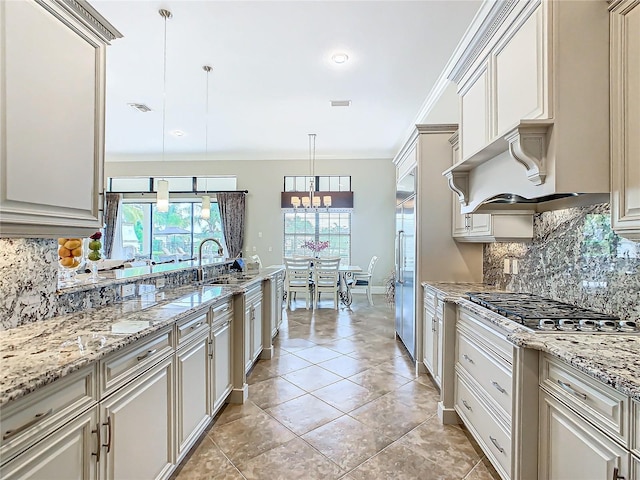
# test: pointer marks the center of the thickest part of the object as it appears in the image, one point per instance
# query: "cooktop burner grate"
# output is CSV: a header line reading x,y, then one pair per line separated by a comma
x,y
550,315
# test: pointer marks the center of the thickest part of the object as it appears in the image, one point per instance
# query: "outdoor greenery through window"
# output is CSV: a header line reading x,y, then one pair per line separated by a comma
x,y
173,235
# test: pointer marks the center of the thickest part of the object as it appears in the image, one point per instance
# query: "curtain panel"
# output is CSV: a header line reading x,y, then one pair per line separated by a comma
x,y
232,213
111,212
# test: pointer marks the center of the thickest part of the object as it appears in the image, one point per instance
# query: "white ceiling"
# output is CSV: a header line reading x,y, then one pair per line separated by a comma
x,y
272,77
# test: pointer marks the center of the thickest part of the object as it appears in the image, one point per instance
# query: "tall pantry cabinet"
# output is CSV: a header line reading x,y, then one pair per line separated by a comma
x,y
438,258
52,89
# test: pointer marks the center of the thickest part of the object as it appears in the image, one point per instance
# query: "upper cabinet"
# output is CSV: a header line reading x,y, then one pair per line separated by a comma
x,y
52,87
533,80
625,117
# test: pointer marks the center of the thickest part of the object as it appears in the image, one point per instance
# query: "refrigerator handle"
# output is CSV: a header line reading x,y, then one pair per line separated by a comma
x,y
399,269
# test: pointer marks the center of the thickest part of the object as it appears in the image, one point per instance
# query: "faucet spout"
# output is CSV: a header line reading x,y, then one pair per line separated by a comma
x,y
220,253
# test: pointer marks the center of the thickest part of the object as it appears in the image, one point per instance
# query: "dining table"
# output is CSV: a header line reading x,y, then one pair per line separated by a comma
x,y
345,273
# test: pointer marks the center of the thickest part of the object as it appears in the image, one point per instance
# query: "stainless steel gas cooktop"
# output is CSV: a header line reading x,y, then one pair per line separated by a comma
x,y
544,314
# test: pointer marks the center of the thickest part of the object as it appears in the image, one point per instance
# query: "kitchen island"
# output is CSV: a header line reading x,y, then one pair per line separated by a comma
x,y
557,403
163,362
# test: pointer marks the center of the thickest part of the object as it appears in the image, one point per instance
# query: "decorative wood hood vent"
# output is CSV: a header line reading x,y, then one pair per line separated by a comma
x,y
534,116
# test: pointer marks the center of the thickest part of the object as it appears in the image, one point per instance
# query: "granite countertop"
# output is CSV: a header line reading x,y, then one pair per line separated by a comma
x,y
38,353
453,291
613,359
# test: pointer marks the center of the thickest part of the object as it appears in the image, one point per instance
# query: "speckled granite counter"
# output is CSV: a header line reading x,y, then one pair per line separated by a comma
x,y
36,354
614,359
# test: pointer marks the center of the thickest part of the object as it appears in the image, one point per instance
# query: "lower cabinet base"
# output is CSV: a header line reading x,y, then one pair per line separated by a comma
x,y
239,395
267,353
448,416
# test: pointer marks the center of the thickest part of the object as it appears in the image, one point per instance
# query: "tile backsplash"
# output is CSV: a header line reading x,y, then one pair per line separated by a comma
x,y
574,257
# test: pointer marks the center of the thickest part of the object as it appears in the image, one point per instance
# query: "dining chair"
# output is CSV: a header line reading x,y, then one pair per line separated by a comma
x,y
325,278
361,282
297,278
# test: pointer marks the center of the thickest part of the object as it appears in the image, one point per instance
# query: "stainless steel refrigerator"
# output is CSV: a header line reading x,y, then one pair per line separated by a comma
x,y
405,262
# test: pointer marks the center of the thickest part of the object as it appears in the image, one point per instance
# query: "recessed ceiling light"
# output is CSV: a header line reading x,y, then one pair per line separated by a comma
x,y
339,57
340,103
140,107
177,133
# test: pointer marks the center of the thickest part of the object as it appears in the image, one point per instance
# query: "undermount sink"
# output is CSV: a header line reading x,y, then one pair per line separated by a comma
x,y
230,280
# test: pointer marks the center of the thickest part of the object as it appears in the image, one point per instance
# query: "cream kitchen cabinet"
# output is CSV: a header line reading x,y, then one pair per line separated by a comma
x,y
496,395
220,355
52,119
571,447
192,380
525,127
138,426
69,453
625,117
431,331
253,325
585,425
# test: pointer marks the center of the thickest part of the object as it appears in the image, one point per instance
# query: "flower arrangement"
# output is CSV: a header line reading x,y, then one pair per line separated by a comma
x,y
314,246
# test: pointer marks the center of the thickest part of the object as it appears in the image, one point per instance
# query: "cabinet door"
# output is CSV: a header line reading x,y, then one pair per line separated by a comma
x,y
221,358
572,449
248,336
474,129
52,123
429,341
466,226
256,340
68,453
625,119
137,425
192,385
437,360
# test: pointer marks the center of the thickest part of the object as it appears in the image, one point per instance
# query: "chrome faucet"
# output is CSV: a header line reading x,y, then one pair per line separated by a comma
x,y
220,253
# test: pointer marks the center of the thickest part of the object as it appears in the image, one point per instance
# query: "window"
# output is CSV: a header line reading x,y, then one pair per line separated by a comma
x,y
331,225
176,234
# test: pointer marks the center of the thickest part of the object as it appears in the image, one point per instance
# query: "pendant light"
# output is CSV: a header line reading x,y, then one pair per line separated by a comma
x,y
205,210
162,188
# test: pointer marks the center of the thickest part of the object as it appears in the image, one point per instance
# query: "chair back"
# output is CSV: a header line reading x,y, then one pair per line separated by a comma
x,y
325,272
298,271
372,265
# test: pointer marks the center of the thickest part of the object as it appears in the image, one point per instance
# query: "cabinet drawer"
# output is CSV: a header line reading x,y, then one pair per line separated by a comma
x,y
485,334
493,438
120,367
635,439
190,327
253,294
30,418
491,372
433,301
590,398
221,314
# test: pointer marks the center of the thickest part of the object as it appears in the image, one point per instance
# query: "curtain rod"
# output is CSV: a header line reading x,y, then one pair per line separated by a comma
x,y
194,192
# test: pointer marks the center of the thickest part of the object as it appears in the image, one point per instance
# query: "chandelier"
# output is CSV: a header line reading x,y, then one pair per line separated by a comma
x,y
311,200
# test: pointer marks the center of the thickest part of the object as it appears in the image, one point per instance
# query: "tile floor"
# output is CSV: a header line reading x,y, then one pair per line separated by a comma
x,y
338,401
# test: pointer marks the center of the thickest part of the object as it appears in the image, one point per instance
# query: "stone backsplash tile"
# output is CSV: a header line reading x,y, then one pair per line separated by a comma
x,y
574,257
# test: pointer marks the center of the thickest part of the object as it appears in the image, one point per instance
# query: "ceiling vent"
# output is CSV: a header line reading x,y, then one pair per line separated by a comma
x,y
140,107
340,103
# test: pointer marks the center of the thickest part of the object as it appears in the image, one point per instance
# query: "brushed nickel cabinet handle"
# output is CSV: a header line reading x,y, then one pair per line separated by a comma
x,y
616,476
466,405
498,387
567,387
99,443
108,425
38,417
496,444
148,352
468,358
199,324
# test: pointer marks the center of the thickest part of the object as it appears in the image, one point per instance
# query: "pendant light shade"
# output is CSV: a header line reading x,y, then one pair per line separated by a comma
x,y
205,213
162,193
162,196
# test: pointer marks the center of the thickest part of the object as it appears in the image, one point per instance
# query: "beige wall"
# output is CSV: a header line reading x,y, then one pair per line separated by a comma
x,y
372,181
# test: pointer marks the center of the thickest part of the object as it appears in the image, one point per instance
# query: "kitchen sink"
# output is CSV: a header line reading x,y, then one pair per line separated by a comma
x,y
230,280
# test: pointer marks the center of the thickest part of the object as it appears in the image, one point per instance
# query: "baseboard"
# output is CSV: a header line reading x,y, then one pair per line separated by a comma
x,y
448,416
239,395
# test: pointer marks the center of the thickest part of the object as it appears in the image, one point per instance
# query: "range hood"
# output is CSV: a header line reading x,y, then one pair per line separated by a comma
x,y
531,168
